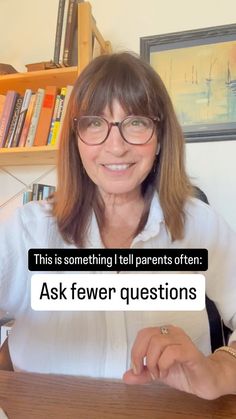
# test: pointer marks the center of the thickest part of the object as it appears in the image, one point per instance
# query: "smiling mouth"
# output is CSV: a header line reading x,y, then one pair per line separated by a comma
x,y
118,167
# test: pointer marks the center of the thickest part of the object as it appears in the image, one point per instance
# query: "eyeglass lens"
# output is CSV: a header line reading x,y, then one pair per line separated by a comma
x,y
134,129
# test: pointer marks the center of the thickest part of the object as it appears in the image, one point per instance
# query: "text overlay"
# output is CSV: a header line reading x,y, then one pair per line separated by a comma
x,y
112,292
117,259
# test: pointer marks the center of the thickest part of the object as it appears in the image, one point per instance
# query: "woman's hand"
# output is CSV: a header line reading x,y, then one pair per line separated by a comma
x,y
171,357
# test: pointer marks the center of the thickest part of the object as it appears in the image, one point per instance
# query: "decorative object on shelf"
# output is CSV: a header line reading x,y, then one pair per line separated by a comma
x,y
43,65
198,68
7,69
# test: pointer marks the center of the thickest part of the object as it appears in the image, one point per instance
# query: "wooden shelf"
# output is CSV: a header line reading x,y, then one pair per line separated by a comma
x,y
19,82
28,156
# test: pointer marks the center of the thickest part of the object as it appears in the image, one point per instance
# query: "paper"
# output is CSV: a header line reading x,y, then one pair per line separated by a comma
x,y
3,414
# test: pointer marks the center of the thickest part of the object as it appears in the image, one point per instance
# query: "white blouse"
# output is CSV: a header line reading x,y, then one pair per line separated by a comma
x,y
98,344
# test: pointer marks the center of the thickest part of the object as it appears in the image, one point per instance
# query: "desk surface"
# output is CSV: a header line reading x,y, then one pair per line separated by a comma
x,y
30,396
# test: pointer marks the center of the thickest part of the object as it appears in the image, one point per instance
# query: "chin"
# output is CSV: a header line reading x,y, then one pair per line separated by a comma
x,y
112,189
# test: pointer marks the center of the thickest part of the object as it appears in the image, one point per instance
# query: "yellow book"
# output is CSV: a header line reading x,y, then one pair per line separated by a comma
x,y
57,122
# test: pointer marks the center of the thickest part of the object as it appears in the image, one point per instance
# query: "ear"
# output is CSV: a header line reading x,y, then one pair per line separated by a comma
x,y
158,149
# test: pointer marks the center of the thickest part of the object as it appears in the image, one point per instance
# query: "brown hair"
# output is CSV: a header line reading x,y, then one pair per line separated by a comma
x,y
140,91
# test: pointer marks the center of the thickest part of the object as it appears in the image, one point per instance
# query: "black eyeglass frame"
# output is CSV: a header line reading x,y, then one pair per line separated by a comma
x,y
117,124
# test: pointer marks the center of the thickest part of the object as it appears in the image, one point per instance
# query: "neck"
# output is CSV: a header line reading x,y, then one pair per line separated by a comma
x,y
122,216
121,207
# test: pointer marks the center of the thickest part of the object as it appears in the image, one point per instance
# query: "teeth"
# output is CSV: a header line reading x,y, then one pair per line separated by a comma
x,y
117,166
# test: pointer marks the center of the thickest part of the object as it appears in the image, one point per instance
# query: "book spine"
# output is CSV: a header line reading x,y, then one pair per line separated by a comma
x,y
46,189
21,119
35,117
2,101
27,122
53,119
70,29
7,113
14,121
58,118
44,122
35,192
60,15
40,192
27,197
69,89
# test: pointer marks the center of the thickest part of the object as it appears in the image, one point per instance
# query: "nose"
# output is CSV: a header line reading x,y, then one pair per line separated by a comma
x,y
115,144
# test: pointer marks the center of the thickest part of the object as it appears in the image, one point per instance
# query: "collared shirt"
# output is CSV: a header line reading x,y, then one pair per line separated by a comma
x,y
98,344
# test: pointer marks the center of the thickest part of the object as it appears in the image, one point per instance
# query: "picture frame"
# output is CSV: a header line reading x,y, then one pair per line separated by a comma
x,y
198,68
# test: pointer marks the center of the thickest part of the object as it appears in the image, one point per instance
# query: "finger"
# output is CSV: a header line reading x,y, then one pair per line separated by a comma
x,y
140,347
144,378
157,346
177,353
154,351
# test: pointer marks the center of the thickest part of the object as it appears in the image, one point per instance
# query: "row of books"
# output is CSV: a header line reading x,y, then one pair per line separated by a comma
x,y
66,39
34,119
39,191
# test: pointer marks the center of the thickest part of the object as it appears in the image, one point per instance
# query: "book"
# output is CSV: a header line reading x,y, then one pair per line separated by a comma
x,y
60,15
27,121
7,113
63,33
41,191
45,117
53,118
70,52
2,100
35,117
58,117
22,116
14,121
69,89
27,196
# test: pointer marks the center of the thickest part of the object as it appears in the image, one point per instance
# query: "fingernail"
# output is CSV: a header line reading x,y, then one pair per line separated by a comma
x,y
153,376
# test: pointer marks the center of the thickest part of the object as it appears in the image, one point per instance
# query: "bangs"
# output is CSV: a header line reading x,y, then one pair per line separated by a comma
x,y
119,80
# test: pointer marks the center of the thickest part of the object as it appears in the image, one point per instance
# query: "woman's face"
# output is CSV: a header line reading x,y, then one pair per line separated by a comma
x,y
115,166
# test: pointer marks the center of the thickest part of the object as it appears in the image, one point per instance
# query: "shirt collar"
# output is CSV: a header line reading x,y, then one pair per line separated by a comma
x,y
155,218
94,239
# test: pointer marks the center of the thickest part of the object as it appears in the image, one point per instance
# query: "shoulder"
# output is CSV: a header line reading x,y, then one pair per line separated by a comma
x,y
36,211
31,216
195,209
34,222
205,222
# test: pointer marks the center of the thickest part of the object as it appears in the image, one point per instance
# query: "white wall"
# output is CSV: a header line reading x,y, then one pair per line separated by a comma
x,y
27,35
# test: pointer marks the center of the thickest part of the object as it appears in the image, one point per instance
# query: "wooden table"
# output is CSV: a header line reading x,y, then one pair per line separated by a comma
x,y
30,396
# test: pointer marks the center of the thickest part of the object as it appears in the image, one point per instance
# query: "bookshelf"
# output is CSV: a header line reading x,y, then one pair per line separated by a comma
x,y
28,156
59,77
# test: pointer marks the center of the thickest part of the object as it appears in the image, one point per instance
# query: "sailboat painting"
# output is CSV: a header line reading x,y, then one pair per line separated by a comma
x,y
201,81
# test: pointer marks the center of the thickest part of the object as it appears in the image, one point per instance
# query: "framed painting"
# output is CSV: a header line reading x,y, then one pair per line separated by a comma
x,y
198,68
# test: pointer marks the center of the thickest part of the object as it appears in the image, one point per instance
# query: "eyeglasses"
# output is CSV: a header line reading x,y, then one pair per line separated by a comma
x,y
94,130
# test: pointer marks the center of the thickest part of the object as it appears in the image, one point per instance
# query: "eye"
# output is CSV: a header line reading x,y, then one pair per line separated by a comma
x,y
95,123
136,122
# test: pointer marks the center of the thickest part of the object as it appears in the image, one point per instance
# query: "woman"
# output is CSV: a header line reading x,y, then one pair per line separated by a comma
x,y
122,184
